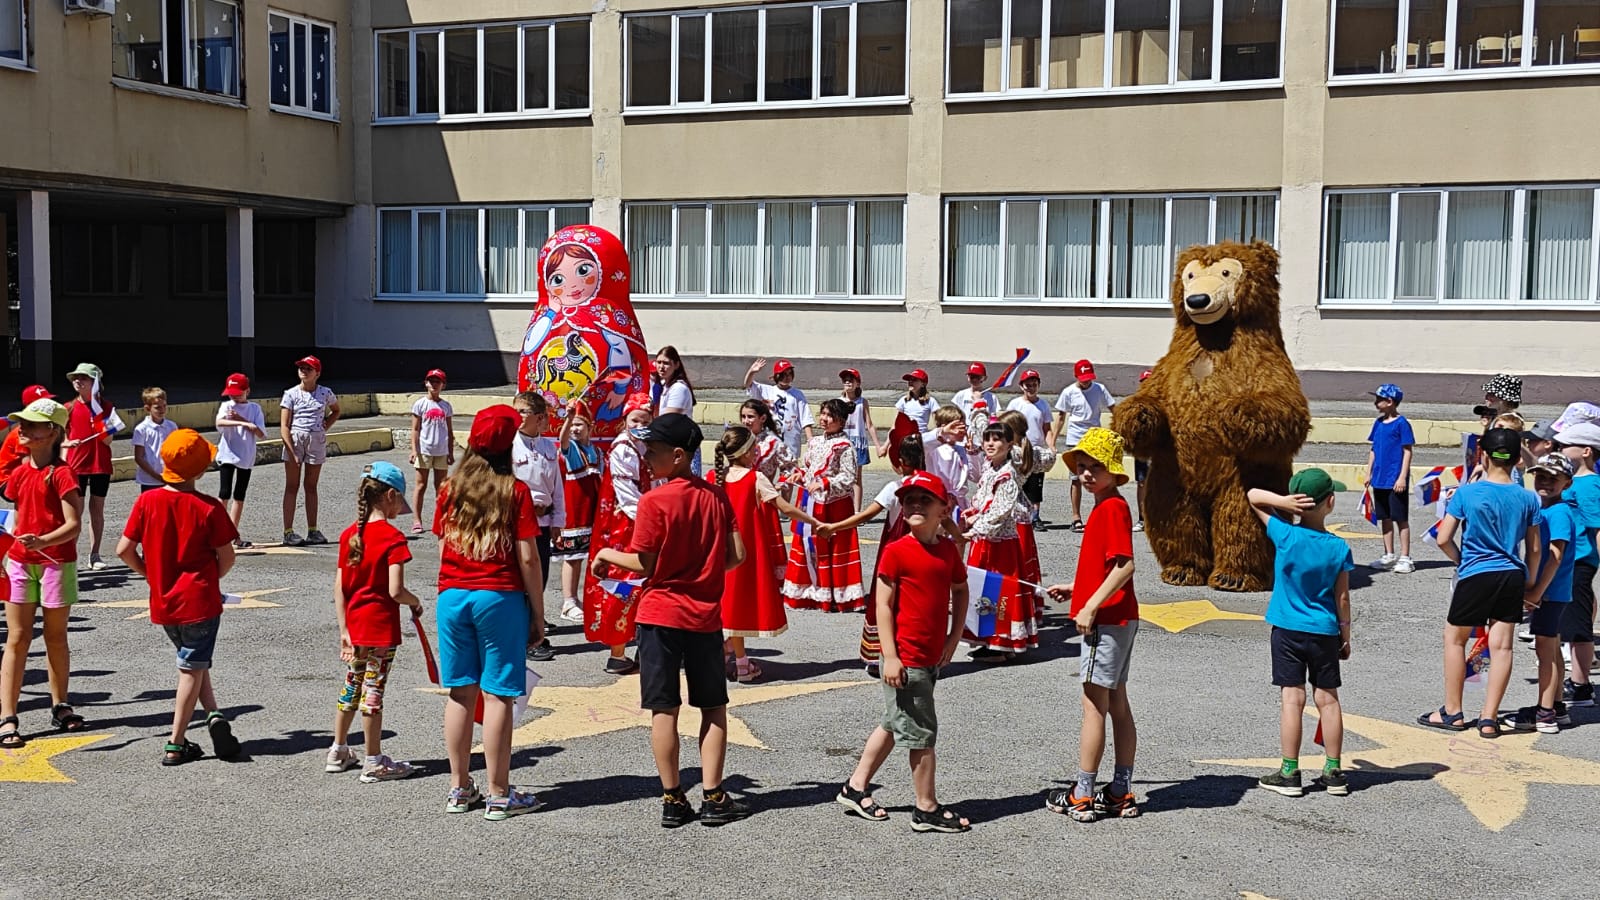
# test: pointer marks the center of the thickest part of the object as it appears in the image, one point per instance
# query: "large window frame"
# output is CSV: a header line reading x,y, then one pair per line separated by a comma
x,y
763,273
1413,64
1517,249
1105,219
439,34
193,78
14,16
302,70
557,215
1041,81
706,16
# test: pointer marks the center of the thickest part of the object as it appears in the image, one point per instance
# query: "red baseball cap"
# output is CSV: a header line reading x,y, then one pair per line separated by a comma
x,y
918,374
977,369
36,392
311,361
1083,369
436,373
1028,374
781,366
493,429
237,384
853,373
923,481
1145,374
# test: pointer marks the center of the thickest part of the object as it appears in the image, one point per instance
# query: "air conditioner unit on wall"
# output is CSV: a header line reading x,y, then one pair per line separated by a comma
x,y
90,7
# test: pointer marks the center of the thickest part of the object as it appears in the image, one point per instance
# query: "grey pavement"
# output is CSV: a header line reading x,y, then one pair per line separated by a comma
x,y
274,825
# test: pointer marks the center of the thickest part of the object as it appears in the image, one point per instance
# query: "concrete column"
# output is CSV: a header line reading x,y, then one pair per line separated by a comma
x,y
924,245
605,97
1305,91
33,278
241,223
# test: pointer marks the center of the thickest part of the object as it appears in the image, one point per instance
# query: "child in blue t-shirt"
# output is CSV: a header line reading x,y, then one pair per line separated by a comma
x,y
1552,474
1580,443
1389,477
1310,617
1494,517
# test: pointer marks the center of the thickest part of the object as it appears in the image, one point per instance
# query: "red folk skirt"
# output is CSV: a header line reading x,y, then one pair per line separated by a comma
x,y
830,579
1015,626
606,617
752,604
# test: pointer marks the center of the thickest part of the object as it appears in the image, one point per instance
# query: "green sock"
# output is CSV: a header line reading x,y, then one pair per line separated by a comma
x,y
1291,765
1330,764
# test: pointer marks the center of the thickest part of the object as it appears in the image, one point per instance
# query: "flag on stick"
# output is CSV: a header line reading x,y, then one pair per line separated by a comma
x,y
986,592
1008,377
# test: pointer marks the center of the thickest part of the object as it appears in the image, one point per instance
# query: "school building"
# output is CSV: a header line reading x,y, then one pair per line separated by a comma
x,y
871,182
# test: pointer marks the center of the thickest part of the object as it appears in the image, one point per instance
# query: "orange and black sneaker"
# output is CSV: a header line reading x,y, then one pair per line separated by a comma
x,y
1121,807
1080,809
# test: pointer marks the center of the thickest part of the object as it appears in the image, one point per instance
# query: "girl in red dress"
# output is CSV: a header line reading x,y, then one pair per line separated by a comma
x,y
752,605
826,575
582,470
992,523
1028,458
608,618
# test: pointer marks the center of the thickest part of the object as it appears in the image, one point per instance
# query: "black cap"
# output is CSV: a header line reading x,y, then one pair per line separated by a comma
x,y
1481,410
1501,443
674,430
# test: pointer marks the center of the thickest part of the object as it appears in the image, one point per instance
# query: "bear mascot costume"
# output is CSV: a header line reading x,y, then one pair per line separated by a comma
x,y
584,341
1222,412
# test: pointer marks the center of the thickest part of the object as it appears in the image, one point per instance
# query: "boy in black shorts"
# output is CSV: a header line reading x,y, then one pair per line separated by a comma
x,y
684,539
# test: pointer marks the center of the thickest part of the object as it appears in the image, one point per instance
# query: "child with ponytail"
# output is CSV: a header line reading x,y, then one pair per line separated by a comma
x,y
992,522
772,454
1028,458
825,573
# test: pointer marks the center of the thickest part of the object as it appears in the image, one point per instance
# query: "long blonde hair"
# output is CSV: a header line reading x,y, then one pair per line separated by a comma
x,y
477,515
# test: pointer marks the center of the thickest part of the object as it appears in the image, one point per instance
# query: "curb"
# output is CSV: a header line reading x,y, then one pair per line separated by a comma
x,y
340,443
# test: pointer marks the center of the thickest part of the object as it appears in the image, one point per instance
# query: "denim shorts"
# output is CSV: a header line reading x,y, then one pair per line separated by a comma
x,y
483,640
196,642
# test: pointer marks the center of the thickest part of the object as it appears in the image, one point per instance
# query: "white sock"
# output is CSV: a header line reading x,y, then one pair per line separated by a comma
x,y
372,760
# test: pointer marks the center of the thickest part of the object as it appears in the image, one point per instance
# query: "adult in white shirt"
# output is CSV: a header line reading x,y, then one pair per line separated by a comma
x,y
917,402
1078,409
787,402
1037,412
676,394
536,462
969,396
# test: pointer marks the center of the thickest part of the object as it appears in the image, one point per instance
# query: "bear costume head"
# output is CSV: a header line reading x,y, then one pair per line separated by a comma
x,y
1224,286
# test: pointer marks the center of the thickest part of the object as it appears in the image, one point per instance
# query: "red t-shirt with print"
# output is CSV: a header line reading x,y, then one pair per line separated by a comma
x,y
370,615
41,497
179,533
500,572
922,576
687,524
1106,536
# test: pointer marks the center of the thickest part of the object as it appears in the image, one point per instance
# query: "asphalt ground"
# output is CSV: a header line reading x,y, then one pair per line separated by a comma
x,y
1430,814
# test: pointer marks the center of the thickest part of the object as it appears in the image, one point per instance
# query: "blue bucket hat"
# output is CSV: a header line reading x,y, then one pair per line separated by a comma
x,y
1388,391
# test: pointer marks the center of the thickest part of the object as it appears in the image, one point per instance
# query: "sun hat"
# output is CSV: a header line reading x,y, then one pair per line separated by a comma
x,y
390,474
237,384
42,410
923,481
674,430
1554,464
1104,446
185,455
1583,434
1388,391
1577,412
1314,483
1506,387
977,368
493,429
87,370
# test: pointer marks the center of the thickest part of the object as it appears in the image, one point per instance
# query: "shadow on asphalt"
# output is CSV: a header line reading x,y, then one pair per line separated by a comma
x,y
520,759
1199,792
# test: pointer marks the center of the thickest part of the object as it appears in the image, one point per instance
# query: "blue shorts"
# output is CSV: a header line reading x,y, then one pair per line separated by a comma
x,y
196,643
483,640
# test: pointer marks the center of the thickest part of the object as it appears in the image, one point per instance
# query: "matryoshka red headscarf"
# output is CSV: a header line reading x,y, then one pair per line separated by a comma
x,y
583,340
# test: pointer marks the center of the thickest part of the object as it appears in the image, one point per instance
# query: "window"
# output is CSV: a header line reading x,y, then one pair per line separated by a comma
x,y
844,51
200,259
1088,249
286,257
1060,46
1429,38
98,258
517,70
191,44
467,252
302,64
805,249
1465,246
13,32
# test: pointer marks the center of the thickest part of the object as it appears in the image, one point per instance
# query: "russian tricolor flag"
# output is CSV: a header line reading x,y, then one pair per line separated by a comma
x,y
1008,378
803,531
985,590
621,588
1368,512
1429,486
1478,654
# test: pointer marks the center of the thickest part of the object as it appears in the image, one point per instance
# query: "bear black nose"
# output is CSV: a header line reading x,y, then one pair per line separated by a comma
x,y
1197,301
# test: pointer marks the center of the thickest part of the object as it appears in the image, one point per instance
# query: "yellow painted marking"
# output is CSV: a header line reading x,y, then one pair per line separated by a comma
x,y
247,600
1176,617
274,549
31,763
1252,895
1490,778
1343,530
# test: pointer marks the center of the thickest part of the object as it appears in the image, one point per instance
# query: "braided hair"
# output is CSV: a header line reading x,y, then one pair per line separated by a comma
x,y
368,494
737,440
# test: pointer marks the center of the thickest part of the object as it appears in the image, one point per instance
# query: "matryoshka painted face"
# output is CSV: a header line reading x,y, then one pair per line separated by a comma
x,y
572,276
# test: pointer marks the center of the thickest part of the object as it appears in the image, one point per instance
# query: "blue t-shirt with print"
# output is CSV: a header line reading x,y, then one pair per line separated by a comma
x,y
1494,520
1305,572
1389,440
1560,523
1585,492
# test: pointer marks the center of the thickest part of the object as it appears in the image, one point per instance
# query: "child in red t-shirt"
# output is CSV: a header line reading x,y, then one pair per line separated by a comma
x,y
685,537
921,595
367,593
181,541
1104,608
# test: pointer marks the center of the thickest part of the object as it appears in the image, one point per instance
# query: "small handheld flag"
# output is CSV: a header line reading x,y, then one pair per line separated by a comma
x,y
1008,377
1478,654
804,532
1429,486
427,649
1368,511
8,521
621,588
986,591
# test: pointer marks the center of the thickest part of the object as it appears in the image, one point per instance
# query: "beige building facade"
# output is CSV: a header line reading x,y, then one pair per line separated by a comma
x,y
883,181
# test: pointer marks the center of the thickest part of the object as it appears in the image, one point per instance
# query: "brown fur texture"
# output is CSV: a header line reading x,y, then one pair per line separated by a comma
x,y
1222,412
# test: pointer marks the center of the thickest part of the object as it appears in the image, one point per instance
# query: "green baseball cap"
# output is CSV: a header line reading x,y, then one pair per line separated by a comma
x,y
1314,483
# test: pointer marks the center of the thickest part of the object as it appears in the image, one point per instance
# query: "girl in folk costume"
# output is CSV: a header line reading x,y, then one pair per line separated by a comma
x,y
992,522
582,470
858,427
825,572
1028,458
752,605
608,618
772,454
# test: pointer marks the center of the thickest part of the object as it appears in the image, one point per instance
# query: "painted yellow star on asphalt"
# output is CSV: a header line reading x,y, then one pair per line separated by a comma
x,y
1490,778
1342,530
247,600
1176,617
31,762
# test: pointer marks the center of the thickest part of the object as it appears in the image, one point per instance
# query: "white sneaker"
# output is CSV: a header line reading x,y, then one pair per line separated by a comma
x,y
1525,635
96,563
386,769
1404,565
340,759
1139,525
1384,562
571,611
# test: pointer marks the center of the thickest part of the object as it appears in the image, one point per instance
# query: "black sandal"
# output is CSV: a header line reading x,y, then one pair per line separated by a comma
x,y
1488,728
11,738
222,739
942,819
69,722
178,754
857,803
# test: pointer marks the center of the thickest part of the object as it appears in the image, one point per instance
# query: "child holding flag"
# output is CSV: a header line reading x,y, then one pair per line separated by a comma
x,y
1552,593
607,616
582,470
1310,617
1029,461
825,572
91,423
992,523
921,594
1388,476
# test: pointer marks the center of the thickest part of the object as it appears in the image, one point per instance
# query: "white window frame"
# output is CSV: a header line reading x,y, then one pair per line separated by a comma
x,y
294,19
852,298
1450,71
1173,85
817,101
1517,251
525,296
1102,244
438,32
190,73
26,62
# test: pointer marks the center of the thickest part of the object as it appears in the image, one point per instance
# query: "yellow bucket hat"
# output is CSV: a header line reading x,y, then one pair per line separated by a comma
x,y
1105,447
